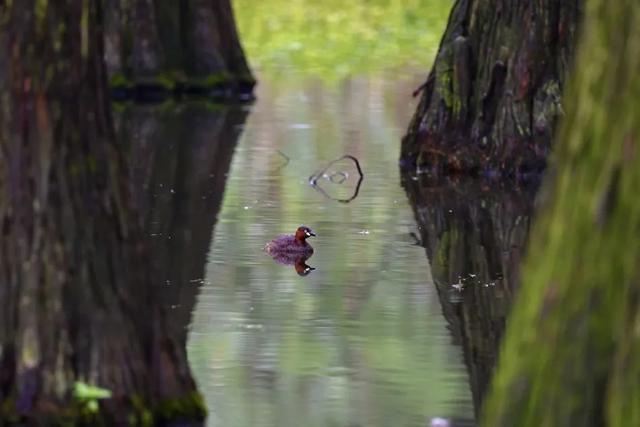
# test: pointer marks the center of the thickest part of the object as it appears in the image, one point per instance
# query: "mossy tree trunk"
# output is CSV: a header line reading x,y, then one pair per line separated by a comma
x,y
474,233
492,97
79,306
571,355
154,47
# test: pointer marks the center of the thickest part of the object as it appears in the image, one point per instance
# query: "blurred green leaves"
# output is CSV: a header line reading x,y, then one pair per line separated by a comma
x,y
89,395
333,39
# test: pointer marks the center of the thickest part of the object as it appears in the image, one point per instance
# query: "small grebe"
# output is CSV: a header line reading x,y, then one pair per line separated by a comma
x,y
292,244
293,250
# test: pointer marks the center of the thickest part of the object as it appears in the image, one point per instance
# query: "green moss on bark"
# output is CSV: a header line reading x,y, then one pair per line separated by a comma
x,y
495,59
139,412
190,406
572,349
169,44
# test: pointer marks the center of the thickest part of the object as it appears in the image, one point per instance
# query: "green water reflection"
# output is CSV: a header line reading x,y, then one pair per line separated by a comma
x,y
336,38
362,339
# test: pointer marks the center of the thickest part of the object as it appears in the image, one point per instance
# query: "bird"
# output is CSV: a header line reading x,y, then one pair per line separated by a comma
x,y
293,250
294,245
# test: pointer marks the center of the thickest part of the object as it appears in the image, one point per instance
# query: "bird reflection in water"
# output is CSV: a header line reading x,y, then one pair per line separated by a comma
x,y
299,262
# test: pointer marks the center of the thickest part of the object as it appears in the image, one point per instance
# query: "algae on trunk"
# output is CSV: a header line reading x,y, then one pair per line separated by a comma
x,y
165,46
491,100
571,353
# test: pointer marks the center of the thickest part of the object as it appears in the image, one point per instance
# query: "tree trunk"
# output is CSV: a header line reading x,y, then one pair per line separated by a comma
x,y
492,98
158,47
79,307
474,234
571,354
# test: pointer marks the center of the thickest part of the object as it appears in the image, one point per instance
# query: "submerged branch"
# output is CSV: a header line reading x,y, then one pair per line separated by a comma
x,y
313,179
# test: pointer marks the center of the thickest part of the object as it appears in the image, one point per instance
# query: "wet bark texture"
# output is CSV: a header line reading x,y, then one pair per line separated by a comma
x,y
155,48
180,161
79,306
571,354
474,234
493,96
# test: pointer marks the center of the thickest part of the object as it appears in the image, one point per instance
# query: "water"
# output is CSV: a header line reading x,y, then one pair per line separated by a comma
x,y
361,340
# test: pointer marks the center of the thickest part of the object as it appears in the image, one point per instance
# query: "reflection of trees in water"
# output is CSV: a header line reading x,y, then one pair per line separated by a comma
x,y
347,354
180,159
474,234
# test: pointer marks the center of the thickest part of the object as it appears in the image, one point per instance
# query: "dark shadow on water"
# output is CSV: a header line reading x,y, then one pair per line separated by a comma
x,y
180,158
474,233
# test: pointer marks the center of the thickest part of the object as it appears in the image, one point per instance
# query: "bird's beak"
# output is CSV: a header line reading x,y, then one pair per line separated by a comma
x,y
310,233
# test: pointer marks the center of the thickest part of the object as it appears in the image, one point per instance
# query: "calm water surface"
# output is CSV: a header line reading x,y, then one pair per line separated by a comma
x,y
361,340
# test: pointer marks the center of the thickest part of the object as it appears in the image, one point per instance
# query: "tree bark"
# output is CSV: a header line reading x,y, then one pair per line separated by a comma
x,y
492,97
474,234
158,47
571,354
79,307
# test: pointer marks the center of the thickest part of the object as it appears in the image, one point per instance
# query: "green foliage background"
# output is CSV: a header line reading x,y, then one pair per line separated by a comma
x,y
336,38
